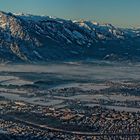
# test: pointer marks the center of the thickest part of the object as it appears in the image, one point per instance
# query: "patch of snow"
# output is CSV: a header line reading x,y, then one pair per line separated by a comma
x,y
78,35
37,54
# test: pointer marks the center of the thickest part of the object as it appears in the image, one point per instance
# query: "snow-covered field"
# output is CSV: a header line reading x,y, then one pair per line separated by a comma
x,y
33,100
118,108
85,73
96,97
13,80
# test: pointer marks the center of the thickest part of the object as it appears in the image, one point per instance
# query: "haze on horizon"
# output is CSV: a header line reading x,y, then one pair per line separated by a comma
x,y
122,13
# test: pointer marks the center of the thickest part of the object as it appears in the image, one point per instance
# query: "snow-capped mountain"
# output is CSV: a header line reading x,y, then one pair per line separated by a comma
x,y
30,38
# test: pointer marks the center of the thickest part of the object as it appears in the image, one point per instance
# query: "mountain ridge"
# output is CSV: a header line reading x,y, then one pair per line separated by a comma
x,y
31,38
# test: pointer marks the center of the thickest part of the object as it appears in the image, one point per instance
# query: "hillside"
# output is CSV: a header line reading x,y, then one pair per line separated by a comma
x,y
30,38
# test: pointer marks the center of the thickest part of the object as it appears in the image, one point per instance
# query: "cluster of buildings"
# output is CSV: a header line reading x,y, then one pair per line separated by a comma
x,y
72,119
80,123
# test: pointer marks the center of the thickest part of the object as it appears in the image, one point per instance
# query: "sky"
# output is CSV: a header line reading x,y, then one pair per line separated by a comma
x,y
122,13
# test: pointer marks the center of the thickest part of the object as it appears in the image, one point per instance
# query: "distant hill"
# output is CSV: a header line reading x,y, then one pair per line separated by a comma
x,y
30,38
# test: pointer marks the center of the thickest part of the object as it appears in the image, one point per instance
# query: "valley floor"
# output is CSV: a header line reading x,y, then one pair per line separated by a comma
x,y
72,100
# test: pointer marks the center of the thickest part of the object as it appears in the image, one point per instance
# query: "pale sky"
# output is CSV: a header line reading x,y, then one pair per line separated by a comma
x,y
123,13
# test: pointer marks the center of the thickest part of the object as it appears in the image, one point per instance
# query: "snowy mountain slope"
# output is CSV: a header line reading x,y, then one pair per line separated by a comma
x,y
30,38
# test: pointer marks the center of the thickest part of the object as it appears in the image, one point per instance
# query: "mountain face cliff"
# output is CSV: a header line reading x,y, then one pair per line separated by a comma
x,y
30,38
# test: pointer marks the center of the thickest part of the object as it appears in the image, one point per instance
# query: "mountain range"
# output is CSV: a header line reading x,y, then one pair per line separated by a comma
x,y
32,38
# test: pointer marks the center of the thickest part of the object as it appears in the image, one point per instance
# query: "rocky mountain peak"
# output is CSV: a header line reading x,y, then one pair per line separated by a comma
x,y
31,38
